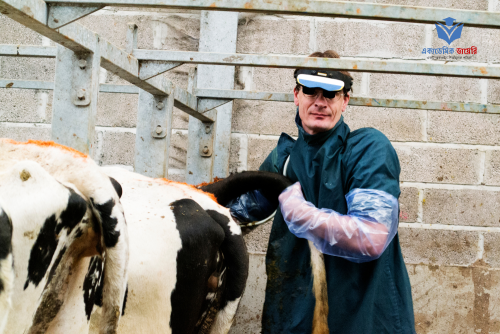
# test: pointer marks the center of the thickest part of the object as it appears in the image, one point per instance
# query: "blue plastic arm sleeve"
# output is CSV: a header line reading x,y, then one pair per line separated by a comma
x,y
360,236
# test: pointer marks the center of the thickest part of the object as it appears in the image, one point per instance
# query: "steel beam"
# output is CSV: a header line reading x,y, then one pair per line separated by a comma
x,y
243,95
11,50
419,67
454,69
208,147
368,11
33,14
223,94
75,99
26,84
355,101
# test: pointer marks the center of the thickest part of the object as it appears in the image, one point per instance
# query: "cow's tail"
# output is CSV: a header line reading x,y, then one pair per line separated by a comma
x,y
115,263
6,267
236,263
233,248
270,184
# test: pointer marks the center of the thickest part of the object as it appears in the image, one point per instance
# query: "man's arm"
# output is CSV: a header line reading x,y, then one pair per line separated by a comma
x,y
372,172
359,236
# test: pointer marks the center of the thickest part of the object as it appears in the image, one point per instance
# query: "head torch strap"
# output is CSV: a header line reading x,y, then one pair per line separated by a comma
x,y
325,75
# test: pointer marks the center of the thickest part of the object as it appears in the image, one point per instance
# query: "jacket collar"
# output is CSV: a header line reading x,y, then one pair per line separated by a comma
x,y
340,129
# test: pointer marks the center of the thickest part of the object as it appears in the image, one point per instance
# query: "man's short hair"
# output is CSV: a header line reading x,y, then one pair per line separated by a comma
x,y
327,54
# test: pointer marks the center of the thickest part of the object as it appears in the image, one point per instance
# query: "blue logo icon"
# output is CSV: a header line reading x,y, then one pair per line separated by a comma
x,y
449,32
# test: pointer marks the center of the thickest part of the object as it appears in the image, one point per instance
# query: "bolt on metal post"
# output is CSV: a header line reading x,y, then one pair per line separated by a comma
x,y
81,94
82,63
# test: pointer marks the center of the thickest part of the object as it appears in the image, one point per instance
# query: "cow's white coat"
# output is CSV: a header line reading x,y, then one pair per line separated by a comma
x,y
69,168
154,241
30,202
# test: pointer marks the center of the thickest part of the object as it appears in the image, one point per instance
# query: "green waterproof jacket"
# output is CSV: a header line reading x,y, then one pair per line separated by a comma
x,y
370,297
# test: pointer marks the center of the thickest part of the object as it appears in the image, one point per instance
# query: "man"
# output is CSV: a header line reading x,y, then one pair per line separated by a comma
x,y
344,205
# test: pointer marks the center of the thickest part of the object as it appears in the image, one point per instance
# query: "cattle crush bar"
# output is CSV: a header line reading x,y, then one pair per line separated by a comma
x,y
207,100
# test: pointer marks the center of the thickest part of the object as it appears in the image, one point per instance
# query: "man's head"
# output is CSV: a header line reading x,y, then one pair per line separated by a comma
x,y
320,108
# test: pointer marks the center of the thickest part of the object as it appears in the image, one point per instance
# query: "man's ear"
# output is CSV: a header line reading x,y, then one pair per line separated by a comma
x,y
296,96
347,97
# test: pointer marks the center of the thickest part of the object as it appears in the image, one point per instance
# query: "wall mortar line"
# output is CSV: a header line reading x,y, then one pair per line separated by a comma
x,y
420,214
243,154
450,227
365,84
492,5
480,246
481,167
447,186
98,153
313,46
43,99
428,36
425,125
483,84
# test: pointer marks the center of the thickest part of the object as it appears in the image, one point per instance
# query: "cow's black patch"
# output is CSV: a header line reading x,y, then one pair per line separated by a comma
x,y
92,285
5,235
56,264
117,186
73,213
42,252
235,258
125,301
5,239
196,261
108,223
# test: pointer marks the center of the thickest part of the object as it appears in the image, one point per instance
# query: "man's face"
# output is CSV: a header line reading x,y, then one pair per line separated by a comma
x,y
319,114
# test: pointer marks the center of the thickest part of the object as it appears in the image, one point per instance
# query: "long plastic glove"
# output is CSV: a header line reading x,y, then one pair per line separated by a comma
x,y
360,236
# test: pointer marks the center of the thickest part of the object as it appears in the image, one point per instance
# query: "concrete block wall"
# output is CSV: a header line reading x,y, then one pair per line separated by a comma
x,y
450,181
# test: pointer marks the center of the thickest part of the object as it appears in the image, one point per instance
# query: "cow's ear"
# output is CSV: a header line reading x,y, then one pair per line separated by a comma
x,y
117,186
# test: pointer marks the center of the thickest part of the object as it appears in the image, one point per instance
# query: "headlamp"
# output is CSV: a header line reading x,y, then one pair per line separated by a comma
x,y
327,80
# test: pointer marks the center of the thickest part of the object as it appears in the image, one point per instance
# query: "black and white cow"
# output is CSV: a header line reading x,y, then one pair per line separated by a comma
x,y
188,260
188,263
64,210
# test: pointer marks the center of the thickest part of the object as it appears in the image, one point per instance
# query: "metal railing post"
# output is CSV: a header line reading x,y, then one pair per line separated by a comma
x,y
152,139
76,90
154,125
217,33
